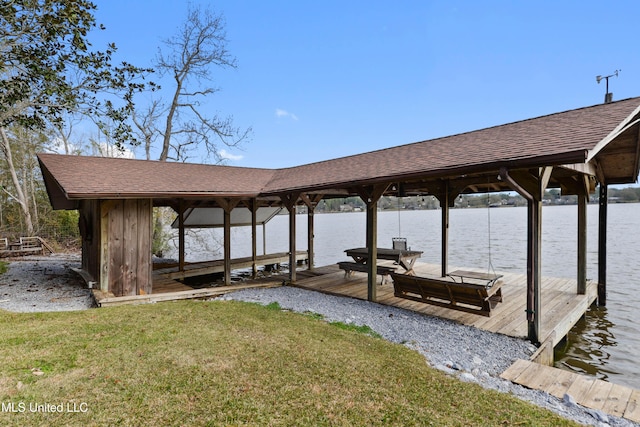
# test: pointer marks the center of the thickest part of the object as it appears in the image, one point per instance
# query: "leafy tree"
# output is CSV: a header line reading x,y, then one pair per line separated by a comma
x,y
48,71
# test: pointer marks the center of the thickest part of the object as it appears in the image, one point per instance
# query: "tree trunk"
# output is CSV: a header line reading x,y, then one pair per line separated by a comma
x,y
21,195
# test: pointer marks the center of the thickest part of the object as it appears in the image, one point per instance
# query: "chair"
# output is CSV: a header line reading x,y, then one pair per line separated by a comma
x,y
399,243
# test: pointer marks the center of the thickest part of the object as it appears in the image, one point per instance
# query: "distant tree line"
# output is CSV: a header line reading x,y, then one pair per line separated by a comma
x,y
552,197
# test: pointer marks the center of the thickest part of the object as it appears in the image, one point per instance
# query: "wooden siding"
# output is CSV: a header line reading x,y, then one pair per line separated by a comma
x,y
126,247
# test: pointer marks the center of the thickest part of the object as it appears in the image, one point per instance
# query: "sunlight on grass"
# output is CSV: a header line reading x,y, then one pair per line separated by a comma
x,y
228,363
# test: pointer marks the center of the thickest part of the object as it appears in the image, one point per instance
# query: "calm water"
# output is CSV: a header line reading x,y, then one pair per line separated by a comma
x,y
605,344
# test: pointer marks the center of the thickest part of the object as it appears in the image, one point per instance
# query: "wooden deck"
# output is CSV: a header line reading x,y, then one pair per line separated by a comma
x,y
590,392
167,285
561,306
194,269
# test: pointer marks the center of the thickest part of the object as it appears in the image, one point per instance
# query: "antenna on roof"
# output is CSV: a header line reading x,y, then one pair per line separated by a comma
x,y
608,97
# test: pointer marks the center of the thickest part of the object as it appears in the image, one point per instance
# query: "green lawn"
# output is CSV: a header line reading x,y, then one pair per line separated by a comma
x,y
228,363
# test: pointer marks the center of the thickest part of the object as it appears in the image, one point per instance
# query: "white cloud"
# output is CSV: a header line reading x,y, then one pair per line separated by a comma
x,y
108,150
285,113
226,155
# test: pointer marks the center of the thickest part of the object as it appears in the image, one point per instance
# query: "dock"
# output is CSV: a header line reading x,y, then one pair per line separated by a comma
x,y
613,399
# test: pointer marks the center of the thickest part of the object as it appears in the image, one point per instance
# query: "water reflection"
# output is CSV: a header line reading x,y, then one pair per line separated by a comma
x,y
586,349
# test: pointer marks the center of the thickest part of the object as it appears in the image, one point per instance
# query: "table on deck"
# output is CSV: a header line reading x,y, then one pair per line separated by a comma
x,y
404,258
487,279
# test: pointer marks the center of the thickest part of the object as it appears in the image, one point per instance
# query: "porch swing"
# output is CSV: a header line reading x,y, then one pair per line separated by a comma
x,y
399,243
479,294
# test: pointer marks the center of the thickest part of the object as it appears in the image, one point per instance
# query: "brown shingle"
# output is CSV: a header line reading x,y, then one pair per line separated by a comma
x,y
554,139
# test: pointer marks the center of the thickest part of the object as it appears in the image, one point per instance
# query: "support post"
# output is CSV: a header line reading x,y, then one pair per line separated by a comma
x,y
444,207
372,245
254,251
534,269
290,201
311,201
292,244
446,195
227,206
531,185
310,236
602,245
583,196
181,249
370,196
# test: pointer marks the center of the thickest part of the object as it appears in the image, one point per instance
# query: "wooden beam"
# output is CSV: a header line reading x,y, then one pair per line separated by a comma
x,y
227,205
311,200
446,195
531,185
602,245
253,207
583,198
370,196
290,200
181,209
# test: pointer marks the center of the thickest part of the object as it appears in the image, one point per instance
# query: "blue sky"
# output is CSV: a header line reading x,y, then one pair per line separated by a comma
x,y
319,80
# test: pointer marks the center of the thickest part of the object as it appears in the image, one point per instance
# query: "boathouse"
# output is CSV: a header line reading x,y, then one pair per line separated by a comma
x,y
574,151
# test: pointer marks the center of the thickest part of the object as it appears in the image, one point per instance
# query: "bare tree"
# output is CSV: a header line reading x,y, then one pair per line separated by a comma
x,y
188,58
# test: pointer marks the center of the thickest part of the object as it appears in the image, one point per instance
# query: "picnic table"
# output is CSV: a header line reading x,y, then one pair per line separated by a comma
x,y
404,258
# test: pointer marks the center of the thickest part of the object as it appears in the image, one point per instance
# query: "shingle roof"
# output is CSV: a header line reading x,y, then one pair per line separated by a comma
x,y
559,138
554,139
104,177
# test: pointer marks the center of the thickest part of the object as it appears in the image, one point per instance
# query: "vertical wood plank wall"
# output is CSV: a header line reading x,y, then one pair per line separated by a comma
x,y
128,246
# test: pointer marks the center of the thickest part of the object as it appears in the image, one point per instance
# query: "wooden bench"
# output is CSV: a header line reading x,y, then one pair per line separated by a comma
x,y
472,298
350,267
4,247
31,245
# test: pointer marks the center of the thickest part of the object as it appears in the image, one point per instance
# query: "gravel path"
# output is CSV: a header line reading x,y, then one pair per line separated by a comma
x,y
36,284
44,283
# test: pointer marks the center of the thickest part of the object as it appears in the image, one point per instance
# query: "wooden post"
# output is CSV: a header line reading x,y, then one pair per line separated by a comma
x,y
583,196
444,207
227,246
310,236
311,201
227,206
292,244
531,185
372,245
602,245
290,201
254,251
181,249
534,269
370,196
446,195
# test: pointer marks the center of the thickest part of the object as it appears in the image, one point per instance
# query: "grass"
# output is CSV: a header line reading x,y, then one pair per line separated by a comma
x,y
229,363
4,266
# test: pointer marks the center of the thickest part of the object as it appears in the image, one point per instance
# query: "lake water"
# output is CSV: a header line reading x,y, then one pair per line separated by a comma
x,y
605,343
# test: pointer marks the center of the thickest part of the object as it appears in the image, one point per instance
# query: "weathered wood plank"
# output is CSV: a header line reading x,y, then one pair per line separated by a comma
x,y
580,387
597,394
115,248
617,400
104,300
632,412
515,370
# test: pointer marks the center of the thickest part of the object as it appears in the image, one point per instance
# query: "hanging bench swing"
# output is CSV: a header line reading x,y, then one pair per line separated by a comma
x,y
399,243
470,296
